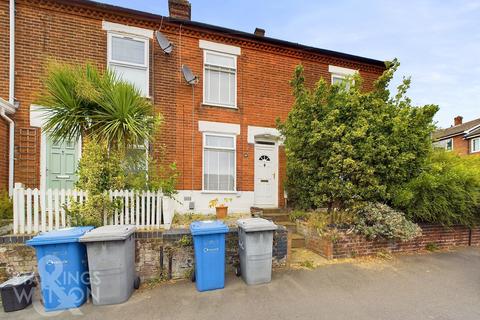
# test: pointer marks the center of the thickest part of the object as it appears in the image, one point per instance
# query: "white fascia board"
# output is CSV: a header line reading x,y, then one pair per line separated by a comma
x,y
218,127
471,129
9,108
122,28
254,131
219,47
341,70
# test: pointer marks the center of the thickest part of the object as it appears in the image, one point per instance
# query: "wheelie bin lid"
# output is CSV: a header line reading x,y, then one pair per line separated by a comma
x,y
58,236
18,280
256,224
109,233
208,227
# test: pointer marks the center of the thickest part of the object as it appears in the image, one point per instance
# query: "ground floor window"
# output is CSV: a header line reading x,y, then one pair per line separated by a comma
x,y
219,162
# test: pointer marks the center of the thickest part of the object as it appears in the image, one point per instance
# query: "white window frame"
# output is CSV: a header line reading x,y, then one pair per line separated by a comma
x,y
145,66
205,134
229,55
341,73
446,144
471,145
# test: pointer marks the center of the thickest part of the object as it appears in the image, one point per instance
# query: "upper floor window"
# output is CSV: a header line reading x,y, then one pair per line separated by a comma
x,y
128,58
219,74
475,145
220,79
339,75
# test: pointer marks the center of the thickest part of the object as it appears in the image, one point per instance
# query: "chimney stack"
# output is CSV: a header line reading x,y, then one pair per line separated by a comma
x,y
259,32
457,120
180,9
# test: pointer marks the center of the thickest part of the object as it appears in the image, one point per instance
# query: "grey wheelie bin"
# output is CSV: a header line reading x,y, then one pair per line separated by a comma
x,y
111,261
255,242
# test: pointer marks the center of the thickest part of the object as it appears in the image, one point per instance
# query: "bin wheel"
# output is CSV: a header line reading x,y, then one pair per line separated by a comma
x,y
238,271
192,277
136,283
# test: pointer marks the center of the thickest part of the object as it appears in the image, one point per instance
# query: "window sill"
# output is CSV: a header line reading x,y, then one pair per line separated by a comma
x,y
211,105
218,192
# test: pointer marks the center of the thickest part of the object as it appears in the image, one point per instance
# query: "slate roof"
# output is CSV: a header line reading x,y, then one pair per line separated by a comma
x,y
455,130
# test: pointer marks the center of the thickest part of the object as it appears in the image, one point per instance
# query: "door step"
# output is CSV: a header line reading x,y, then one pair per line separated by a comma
x,y
298,241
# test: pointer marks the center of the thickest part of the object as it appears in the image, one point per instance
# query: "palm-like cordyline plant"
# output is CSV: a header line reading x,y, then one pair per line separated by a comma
x,y
84,101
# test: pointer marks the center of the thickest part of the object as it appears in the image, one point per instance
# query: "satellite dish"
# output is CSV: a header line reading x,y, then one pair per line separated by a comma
x,y
163,42
188,75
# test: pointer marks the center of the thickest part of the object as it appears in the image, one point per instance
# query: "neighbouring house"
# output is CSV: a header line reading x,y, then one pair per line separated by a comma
x,y
462,138
220,131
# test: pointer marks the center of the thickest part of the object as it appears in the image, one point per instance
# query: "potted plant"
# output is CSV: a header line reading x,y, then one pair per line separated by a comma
x,y
221,208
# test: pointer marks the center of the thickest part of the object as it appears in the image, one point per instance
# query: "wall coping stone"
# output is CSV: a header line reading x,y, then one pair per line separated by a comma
x,y
140,234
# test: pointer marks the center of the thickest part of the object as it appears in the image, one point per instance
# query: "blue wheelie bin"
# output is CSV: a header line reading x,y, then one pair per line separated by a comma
x,y
209,246
63,267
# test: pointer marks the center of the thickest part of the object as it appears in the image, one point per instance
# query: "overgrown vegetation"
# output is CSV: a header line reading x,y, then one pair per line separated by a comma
x,y
349,145
6,205
447,191
376,220
367,157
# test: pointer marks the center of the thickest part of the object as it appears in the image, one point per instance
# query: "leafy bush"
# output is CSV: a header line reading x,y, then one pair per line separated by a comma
x,y
375,220
92,211
6,206
344,146
299,215
446,192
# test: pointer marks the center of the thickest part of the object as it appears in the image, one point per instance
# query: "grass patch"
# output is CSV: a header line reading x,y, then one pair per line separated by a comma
x,y
384,255
307,264
432,246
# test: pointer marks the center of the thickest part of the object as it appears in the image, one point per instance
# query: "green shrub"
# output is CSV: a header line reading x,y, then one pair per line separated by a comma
x,y
376,220
446,192
92,211
344,146
6,206
298,215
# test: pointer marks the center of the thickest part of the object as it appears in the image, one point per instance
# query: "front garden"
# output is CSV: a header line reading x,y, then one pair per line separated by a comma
x,y
361,163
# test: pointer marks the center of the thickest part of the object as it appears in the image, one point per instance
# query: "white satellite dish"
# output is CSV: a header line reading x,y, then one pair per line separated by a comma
x,y
163,42
188,75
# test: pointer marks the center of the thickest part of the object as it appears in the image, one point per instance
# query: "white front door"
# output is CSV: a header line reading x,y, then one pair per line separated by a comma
x,y
266,185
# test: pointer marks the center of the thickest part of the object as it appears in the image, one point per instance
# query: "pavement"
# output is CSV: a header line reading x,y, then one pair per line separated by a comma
x,y
442,285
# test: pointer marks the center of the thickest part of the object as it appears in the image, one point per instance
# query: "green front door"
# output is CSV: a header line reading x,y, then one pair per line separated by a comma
x,y
62,158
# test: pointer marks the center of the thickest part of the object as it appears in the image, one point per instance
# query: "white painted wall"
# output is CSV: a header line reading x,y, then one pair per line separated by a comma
x,y
241,201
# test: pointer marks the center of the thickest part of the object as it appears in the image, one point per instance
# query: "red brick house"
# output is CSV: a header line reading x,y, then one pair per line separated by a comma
x,y
220,131
462,138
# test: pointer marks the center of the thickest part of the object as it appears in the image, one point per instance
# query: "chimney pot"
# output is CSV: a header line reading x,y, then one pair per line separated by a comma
x,y
457,120
180,9
259,32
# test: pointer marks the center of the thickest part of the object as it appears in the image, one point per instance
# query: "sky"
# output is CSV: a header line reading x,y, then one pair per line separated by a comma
x,y
436,41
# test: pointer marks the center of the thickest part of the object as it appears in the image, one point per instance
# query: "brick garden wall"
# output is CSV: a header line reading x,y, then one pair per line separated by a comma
x,y
159,255
344,245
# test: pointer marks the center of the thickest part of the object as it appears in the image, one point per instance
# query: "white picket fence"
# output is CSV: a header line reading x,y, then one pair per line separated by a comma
x,y
37,210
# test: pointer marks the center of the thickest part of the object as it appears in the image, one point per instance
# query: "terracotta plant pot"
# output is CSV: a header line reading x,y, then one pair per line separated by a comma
x,y
221,212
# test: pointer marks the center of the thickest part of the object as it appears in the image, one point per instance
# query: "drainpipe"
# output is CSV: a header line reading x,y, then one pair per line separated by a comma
x,y
11,82
11,149
11,98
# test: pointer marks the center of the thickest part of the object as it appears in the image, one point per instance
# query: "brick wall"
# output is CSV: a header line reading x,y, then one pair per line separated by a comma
x,y
460,145
343,245
159,255
55,30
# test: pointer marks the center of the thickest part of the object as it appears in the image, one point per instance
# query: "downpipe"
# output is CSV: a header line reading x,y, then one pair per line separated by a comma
x,y
11,148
